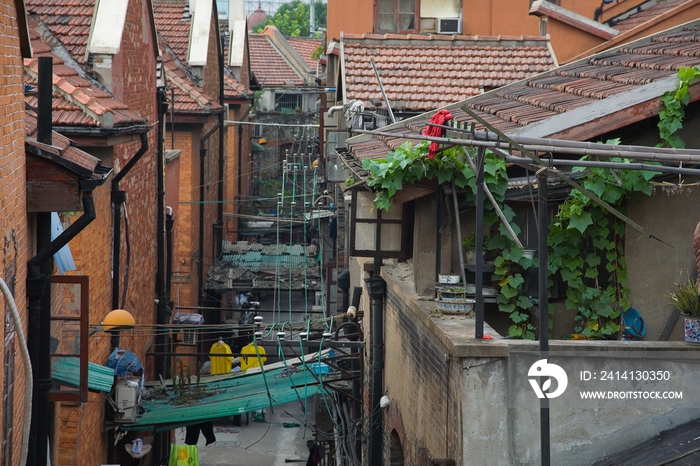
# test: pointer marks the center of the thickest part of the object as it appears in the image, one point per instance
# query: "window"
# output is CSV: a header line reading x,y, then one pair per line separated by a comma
x,y
287,102
396,16
69,337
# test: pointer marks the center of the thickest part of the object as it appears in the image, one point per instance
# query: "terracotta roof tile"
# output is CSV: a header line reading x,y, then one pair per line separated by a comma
x,y
77,101
553,94
69,20
305,47
268,66
189,97
647,14
174,26
427,73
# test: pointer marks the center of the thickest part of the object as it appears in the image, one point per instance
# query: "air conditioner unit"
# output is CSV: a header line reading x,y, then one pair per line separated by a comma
x,y
189,336
127,398
449,26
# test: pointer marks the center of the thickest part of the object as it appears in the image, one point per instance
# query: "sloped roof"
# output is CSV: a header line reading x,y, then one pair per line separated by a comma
x,y
69,20
425,71
577,101
76,101
646,14
61,150
269,66
173,25
305,47
189,98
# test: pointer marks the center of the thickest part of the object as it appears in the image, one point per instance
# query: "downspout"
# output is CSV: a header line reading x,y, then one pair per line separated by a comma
x,y
219,226
202,159
200,272
39,270
119,198
377,289
162,309
39,297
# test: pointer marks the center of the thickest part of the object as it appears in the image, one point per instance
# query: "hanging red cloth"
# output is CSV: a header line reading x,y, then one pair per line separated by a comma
x,y
440,117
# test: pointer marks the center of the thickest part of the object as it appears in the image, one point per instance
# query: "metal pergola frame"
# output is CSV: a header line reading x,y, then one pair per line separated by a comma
x,y
462,134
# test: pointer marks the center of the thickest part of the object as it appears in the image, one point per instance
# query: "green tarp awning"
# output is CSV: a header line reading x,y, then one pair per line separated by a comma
x,y
226,396
67,370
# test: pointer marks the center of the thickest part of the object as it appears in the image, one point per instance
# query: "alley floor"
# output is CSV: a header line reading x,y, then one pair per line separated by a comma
x,y
267,443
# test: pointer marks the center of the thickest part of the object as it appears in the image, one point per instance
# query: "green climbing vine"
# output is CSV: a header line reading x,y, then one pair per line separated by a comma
x,y
586,243
673,112
587,248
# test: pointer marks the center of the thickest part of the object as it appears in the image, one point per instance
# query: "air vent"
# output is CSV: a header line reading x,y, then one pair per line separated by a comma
x,y
449,26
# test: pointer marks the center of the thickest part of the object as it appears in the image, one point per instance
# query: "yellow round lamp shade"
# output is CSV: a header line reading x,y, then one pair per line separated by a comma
x,y
118,319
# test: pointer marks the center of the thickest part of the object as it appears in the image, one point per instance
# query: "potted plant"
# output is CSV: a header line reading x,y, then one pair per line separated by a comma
x,y
685,299
469,247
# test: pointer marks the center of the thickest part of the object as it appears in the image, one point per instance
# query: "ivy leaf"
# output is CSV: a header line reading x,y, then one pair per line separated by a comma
x,y
515,331
506,308
524,302
581,221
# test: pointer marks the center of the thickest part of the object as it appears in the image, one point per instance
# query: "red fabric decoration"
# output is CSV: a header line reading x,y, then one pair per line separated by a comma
x,y
440,117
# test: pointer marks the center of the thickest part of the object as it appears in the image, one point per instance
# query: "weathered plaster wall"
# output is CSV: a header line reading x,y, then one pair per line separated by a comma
x,y
489,413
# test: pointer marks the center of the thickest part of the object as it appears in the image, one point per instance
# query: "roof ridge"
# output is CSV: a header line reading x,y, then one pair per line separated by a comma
x,y
443,38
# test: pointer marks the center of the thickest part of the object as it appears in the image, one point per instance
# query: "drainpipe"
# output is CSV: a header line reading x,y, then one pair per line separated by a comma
x,y
119,198
219,225
200,272
202,159
39,270
162,310
39,300
376,286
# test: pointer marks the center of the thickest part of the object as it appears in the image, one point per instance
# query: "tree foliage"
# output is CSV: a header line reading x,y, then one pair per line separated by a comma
x,y
293,18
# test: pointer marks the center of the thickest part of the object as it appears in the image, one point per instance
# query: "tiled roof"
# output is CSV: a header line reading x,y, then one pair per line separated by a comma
x,y
234,89
269,67
305,47
69,20
61,149
189,98
172,24
425,72
77,101
579,98
645,15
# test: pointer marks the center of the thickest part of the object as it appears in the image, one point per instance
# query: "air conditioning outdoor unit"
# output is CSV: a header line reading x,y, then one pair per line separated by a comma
x,y
127,399
449,26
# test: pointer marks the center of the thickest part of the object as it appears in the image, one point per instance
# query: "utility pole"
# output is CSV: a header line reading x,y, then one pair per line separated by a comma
x,y
312,20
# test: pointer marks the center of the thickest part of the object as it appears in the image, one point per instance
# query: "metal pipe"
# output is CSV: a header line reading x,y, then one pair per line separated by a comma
x,y
39,320
543,220
219,227
200,258
381,88
635,152
611,165
479,238
45,104
462,273
377,288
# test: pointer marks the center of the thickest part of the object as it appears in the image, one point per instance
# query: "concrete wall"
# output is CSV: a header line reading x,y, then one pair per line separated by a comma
x,y
654,267
470,400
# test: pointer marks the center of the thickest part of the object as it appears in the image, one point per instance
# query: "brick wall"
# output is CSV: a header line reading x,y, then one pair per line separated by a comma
x,y
13,217
133,83
424,386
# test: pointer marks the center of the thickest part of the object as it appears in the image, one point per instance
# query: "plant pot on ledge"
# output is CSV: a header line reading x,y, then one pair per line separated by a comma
x,y
685,299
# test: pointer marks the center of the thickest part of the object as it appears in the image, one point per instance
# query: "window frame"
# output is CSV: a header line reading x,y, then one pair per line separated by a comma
x,y
397,16
82,393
